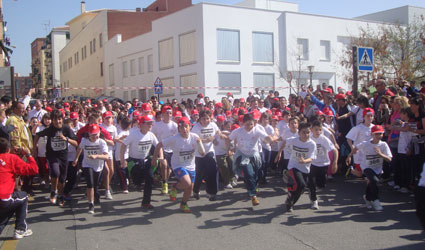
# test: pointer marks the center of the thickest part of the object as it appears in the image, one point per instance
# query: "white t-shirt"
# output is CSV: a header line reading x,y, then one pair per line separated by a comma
x,y
300,149
140,144
359,134
36,113
99,147
269,131
247,142
112,130
358,112
119,144
281,126
370,158
286,135
323,145
404,141
203,133
164,130
42,142
221,148
183,150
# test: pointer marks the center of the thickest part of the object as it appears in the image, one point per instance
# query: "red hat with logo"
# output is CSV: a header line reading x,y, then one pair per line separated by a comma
x,y
136,113
319,112
228,113
235,126
276,99
278,114
183,120
377,129
49,109
229,94
219,105
328,90
221,118
66,104
368,111
73,116
107,114
328,112
340,97
146,107
242,100
256,115
235,111
143,119
93,129
201,95
63,111
194,112
177,114
165,108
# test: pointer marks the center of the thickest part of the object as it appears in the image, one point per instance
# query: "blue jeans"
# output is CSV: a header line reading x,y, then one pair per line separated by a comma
x,y
266,159
250,173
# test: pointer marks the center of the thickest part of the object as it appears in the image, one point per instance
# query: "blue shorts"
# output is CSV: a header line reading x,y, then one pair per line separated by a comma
x,y
180,172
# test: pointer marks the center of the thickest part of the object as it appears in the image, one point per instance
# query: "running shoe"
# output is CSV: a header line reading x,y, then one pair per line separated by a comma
x,y
108,195
228,186
147,206
255,201
289,205
368,203
315,205
125,191
377,205
396,187
404,190
391,183
53,197
173,194
213,197
91,208
234,183
164,188
61,201
197,195
19,234
185,208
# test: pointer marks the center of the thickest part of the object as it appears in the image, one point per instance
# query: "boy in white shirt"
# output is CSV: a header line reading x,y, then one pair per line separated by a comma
x,y
108,125
303,151
95,155
373,154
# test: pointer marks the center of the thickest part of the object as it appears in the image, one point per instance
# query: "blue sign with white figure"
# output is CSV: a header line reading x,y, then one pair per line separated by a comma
x,y
365,59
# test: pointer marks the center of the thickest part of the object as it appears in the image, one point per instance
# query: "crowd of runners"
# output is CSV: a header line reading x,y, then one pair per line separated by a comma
x,y
306,139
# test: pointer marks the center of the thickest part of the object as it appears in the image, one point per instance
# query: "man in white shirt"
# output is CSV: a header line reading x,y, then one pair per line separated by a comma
x,y
37,112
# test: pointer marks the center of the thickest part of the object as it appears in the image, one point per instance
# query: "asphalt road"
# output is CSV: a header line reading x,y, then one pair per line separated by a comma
x,y
228,223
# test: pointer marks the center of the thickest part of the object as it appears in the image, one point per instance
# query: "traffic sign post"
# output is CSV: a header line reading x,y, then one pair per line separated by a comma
x,y
289,80
158,87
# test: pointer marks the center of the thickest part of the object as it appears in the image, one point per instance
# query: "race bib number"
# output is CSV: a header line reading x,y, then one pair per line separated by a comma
x,y
91,150
206,133
374,161
320,150
186,157
298,153
144,147
58,144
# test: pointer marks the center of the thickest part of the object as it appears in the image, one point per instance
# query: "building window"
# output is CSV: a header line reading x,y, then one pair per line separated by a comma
x,y
111,75
133,94
100,40
228,45
166,54
141,65
124,69
168,89
125,96
70,62
188,81
150,63
91,47
262,45
133,67
112,93
264,81
187,44
94,45
325,50
302,48
101,69
229,81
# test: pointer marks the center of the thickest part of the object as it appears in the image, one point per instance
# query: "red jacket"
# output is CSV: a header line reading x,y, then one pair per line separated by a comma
x,y
11,166
84,131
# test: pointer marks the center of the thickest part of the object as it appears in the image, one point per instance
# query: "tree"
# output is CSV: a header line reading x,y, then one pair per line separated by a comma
x,y
399,51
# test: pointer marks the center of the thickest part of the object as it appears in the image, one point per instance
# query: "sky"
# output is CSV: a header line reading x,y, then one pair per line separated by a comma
x,y
30,19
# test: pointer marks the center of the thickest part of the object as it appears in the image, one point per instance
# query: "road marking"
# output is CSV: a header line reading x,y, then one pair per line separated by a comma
x,y
9,245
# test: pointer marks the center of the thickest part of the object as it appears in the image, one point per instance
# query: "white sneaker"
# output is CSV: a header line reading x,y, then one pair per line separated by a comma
x,y
315,205
108,195
396,187
234,183
377,205
391,183
404,190
125,191
19,234
229,186
368,203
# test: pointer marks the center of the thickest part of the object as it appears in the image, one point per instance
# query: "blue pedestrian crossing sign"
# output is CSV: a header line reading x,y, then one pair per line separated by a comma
x,y
158,86
365,59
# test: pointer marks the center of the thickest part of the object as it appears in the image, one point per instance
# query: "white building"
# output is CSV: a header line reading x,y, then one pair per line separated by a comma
x,y
215,49
59,38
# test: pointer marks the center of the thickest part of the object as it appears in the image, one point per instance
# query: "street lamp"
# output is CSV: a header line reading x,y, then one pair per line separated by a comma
x,y
310,71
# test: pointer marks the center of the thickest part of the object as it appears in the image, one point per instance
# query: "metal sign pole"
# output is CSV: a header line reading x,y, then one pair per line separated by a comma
x,y
355,72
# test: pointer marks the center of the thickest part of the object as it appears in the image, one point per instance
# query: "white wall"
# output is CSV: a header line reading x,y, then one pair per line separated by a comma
x,y
276,5
59,41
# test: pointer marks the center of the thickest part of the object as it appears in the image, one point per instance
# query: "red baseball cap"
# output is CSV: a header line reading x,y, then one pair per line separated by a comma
x,y
377,129
368,111
73,116
328,112
136,113
235,126
241,118
93,129
165,108
340,97
319,112
201,95
229,94
242,100
194,112
107,114
228,113
105,100
177,114
219,105
275,117
66,104
143,119
278,113
235,111
183,120
328,90
49,109
256,115
146,107
221,118
269,111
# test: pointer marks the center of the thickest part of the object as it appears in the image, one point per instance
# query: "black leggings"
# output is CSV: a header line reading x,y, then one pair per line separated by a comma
x,y
92,178
206,168
58,169
372,191
297,189
420,204
316,177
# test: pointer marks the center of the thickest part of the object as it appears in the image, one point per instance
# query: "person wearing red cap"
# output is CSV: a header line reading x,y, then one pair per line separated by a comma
x,y
247,156
194,116
373,153
177,115
76,124
58,137
108,125
206,166
141,143
359,134
14,202
95,155
266,147
146,110
163,130
183,145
